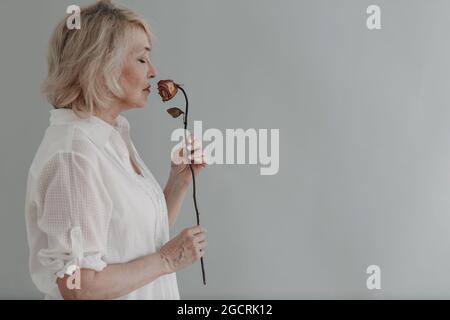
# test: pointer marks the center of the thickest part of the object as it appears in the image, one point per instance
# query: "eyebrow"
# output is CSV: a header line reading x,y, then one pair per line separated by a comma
x,y
145,49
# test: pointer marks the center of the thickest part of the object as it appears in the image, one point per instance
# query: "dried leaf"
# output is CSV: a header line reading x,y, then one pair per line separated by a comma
x,y
175,112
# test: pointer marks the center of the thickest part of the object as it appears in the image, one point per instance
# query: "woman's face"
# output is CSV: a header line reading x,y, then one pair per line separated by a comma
x,y
137,71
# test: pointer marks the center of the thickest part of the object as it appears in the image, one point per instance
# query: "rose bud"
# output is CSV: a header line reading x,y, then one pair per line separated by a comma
x,y
167,89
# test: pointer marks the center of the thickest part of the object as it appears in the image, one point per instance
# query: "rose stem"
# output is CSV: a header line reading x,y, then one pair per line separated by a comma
x,y
192,173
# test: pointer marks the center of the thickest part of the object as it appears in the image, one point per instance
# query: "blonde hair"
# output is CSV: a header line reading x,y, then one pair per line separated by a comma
x,y
84,65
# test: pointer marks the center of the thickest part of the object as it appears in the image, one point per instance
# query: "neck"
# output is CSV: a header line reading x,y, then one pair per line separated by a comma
x,y
108,115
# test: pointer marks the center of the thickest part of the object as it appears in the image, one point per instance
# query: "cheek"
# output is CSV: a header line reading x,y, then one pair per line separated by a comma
x,y
130,80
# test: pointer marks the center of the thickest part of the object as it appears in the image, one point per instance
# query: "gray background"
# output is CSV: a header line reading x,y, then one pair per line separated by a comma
x,y
364,141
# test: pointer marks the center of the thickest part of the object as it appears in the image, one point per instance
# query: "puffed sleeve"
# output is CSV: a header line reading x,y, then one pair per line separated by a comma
x,y
75,212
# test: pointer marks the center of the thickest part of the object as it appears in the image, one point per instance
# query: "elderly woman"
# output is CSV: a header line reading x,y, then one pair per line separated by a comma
x,y
97,220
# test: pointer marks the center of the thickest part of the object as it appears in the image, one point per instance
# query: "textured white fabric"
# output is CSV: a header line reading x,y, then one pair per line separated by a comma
x,y
87,207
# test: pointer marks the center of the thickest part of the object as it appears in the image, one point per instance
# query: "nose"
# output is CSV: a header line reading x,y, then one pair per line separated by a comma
x,y
151,71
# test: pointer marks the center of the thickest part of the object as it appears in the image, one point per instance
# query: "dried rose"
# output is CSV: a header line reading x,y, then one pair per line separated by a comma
x,y
167,89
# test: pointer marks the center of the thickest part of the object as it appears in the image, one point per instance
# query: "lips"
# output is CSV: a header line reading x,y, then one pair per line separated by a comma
x,y
147,89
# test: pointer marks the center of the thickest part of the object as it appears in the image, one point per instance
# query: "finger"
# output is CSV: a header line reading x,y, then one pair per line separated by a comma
x,y
202,165
203,245
190,138
181,151
196,162
197,152
193,148
189,141
197,229
193,156
200,236
203,160
183,154
190,144
190,148
176,157
198,158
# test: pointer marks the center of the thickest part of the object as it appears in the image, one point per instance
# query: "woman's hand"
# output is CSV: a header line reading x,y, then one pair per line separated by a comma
x,y
185,249
179,168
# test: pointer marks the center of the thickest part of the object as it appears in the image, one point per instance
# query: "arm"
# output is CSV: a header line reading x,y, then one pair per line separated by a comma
x,y
180,178
73,181
116,280
174,192
120,279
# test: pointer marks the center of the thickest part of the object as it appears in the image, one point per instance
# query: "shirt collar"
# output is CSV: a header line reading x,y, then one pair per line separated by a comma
x,y
98,130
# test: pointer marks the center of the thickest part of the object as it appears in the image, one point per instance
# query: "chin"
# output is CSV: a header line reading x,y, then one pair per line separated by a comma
x,y
141,105
136,102
138,105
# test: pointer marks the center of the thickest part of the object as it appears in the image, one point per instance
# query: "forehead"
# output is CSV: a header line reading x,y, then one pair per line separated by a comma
x,y
139,40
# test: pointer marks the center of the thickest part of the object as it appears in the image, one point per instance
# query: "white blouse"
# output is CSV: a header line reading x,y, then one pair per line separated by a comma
x,y
87,207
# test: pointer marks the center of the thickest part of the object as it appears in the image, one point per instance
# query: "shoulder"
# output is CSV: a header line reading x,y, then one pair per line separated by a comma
x,y
65,143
